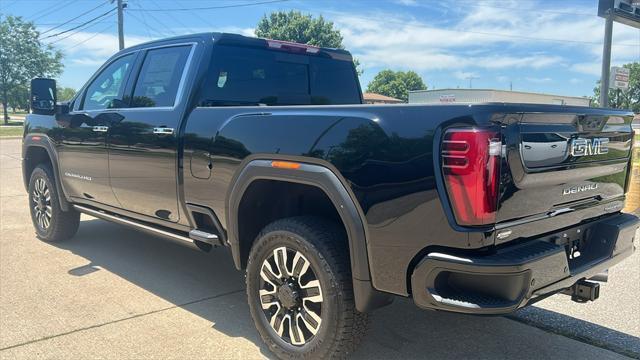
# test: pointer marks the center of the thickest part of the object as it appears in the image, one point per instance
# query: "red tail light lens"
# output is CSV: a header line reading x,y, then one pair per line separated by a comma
x,y
471,169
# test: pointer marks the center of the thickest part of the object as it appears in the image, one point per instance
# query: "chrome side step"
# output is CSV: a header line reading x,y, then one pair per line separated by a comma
x,y
134,224
204,236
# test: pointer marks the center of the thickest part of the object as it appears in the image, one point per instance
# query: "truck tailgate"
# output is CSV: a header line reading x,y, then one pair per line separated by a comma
x,y
559,163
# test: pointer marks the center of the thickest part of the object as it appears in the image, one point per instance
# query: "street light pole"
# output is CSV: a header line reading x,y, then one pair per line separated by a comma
x,y
606,61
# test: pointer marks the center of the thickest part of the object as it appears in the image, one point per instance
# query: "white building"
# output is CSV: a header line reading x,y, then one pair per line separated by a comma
x,y
448,96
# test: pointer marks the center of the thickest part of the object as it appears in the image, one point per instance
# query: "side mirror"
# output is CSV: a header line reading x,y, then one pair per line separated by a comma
x,y
43,96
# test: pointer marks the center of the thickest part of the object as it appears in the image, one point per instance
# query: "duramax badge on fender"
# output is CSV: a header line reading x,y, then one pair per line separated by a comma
x,y
332,207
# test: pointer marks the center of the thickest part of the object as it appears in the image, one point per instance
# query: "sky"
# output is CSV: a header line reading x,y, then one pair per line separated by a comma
x,y
545,46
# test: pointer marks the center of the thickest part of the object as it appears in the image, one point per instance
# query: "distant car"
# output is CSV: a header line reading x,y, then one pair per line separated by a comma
x,y
330,206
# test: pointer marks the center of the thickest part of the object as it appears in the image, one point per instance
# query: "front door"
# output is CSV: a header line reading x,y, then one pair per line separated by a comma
x,y
143,145
83,154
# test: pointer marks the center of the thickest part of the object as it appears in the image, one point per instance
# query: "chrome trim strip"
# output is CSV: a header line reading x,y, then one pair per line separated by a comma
x,y
127,222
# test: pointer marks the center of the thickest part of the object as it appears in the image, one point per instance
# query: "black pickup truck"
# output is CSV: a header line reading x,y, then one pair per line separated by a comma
x,y
333,207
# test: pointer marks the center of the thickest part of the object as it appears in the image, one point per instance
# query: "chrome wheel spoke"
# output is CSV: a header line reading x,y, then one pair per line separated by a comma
x,y
268,299
295,332
277,321
300,266
280,257
310,319
267,274
312,291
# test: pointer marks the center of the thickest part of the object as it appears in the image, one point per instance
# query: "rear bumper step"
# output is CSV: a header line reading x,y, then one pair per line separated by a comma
x,y
516,275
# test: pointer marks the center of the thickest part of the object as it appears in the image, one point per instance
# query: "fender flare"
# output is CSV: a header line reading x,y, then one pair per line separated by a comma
x,y
45,143
322,175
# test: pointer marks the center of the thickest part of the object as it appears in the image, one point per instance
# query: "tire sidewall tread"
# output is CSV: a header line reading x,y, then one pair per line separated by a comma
x,y
324,244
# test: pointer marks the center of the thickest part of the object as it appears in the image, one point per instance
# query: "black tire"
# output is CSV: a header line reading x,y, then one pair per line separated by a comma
x,y
51,223
323,245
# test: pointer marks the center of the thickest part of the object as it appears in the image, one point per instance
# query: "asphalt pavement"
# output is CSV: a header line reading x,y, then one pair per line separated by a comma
x,y
114,293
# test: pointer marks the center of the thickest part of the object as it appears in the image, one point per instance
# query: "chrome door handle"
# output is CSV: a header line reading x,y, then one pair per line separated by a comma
x,y
100,128
163,130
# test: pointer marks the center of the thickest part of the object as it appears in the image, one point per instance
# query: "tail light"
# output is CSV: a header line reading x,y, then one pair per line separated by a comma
x,y
471,169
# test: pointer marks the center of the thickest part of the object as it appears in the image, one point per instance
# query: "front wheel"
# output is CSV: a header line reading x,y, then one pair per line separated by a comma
x,y
51,223
299,288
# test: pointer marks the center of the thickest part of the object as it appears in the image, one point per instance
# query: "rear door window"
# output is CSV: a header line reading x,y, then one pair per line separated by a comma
x,y
160,76
247,76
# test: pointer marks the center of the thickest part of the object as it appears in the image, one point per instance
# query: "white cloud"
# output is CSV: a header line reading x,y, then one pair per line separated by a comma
x,y
487,36
575,81
407,2
538,80
589,68
465,75
502,78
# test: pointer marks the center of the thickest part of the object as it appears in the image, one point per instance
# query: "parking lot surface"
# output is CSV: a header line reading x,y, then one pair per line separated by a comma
x,y
114,293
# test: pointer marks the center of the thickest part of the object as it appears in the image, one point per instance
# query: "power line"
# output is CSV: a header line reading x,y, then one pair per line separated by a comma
x,y
100,32
81,25
214,7
77,31
70,20
52,9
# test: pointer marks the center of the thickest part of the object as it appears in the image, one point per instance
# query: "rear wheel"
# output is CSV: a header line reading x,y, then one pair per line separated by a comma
x,y
300,293
50,222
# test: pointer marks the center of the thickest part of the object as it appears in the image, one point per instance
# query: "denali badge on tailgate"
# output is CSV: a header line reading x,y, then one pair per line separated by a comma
x,y
586,147
579,188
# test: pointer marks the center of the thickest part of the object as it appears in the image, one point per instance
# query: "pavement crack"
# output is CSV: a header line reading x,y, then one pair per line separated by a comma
x,y
121,320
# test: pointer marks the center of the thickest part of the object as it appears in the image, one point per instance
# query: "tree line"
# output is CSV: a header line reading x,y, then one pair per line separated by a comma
x,y
23,57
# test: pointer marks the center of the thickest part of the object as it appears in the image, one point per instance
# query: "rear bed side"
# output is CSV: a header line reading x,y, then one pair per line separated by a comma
x,y
389,157
383,153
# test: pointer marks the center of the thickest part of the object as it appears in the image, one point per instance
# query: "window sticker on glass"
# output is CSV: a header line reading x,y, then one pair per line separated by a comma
x,y
222,79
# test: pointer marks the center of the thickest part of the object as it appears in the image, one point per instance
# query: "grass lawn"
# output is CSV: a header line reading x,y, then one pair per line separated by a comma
x,y
10,131
12,122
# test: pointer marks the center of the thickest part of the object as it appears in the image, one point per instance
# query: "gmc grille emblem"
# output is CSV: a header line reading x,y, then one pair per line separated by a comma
x,y
588,147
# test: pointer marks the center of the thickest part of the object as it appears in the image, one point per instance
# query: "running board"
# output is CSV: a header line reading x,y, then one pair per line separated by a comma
x,y
204,236
134,224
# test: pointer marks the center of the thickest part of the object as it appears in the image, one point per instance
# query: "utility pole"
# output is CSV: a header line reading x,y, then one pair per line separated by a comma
x,y
470,78
606,61
121,7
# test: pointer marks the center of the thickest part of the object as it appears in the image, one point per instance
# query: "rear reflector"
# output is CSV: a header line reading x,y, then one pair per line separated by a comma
x,y
471,169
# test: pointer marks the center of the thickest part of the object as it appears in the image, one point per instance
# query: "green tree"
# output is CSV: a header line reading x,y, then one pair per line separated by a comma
x,y
627,99
396,84
23,57
65,93
18,97
301,28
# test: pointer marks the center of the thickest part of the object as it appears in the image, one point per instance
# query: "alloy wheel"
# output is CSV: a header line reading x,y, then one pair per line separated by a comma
x,y
41,197
291,296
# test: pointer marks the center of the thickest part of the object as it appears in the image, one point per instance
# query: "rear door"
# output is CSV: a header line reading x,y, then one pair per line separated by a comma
x,y
562,162
143,146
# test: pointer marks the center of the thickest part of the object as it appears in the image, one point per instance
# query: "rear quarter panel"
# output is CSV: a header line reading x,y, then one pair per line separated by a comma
x,y
384,153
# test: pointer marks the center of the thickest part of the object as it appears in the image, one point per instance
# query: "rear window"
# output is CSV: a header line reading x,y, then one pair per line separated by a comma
x,y
157,84
245,76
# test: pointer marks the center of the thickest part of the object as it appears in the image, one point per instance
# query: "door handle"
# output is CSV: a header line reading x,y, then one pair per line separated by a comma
x,y
163,130
100,128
